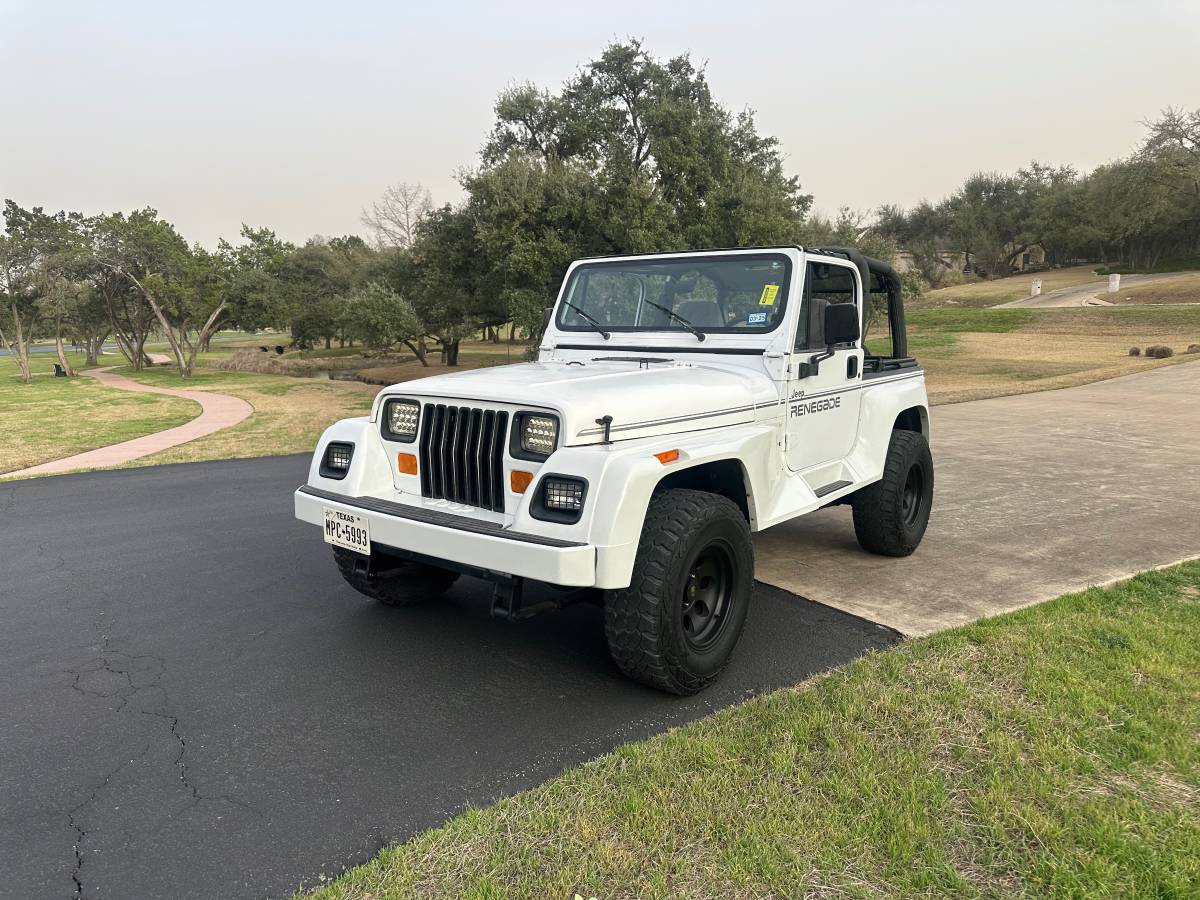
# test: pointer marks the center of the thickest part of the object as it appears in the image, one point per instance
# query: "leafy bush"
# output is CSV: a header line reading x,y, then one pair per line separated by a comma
x,y
1158,351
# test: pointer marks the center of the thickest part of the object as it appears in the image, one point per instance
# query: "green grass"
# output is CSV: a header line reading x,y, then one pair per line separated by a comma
x,y
51,418
1049,752
994,321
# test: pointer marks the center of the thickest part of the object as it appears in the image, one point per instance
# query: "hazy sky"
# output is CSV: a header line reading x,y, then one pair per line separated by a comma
x,y
296,115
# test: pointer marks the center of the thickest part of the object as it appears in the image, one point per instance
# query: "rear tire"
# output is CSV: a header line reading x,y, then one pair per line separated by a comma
x,y
404,584
890,516
675,626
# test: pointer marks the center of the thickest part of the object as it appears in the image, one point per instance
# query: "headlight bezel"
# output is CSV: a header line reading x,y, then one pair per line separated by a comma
x,y
385,420
540,510
516,442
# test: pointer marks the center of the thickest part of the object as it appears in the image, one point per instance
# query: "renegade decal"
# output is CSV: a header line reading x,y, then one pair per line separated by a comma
x,y
769,293
823,404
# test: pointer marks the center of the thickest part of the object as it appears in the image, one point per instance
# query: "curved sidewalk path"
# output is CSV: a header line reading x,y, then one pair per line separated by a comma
x,y
217,411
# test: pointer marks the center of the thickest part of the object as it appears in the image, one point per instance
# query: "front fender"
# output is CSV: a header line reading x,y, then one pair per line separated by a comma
x,y
369,473
622,478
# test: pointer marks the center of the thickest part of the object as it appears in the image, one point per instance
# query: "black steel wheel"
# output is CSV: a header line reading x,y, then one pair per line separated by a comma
x,y
708,595
890,516
676,625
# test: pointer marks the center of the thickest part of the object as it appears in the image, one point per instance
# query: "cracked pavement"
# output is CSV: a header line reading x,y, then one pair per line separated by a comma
x,y
193,704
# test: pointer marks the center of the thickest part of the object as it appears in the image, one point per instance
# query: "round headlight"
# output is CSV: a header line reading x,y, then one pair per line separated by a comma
x,y
539,434
401,417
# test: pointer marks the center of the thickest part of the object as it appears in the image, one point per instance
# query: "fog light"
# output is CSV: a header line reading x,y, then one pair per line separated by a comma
x,y
335,462
564,494
337,456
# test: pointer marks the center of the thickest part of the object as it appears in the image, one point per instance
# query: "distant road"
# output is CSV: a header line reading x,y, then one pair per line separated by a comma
x,y
1087,294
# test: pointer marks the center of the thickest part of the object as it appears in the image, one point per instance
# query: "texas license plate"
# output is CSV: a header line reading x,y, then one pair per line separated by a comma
x,y
343,529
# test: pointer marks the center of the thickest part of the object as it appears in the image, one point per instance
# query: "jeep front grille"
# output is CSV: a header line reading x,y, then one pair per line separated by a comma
x,y
462,455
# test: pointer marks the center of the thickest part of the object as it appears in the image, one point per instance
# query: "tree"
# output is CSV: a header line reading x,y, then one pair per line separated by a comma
x,y
453,282
314,281
20,306
254,295
633,155
381,319
36,263
921,231
1173,145
184,288
395,216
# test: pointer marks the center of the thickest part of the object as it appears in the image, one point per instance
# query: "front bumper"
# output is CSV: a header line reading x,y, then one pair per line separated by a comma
x,y
458,539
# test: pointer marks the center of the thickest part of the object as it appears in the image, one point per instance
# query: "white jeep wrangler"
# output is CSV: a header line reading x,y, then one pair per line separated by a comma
x,y
679,402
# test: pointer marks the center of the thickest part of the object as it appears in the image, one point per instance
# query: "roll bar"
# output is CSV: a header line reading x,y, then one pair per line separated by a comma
x,y
877,272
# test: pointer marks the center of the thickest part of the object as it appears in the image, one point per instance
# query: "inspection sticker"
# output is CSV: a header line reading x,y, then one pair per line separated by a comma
x,y
756,318
769,293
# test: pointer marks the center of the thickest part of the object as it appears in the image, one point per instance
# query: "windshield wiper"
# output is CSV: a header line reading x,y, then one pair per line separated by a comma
x,y
678,318
587,318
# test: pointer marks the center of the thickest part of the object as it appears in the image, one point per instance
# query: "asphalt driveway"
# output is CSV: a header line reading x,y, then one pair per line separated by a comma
x,y
192,704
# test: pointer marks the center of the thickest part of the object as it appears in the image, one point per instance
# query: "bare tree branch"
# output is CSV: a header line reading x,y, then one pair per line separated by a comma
x,y
395,216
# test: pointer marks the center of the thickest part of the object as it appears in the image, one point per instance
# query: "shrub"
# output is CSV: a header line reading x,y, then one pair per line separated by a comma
x,y
1192,348
1135,351
1158,351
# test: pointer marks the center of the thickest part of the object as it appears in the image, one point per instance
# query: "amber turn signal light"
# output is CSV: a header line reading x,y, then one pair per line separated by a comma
x,y
520,481
406,463
667,456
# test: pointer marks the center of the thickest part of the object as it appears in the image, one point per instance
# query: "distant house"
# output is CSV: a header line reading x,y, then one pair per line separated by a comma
x,y
1033,257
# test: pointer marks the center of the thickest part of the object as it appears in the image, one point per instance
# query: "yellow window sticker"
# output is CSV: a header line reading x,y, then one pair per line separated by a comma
x,y
769,293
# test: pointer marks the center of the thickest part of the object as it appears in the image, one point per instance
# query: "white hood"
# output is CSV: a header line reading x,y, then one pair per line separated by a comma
x,y
643,399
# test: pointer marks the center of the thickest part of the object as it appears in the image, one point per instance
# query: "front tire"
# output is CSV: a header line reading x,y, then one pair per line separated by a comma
x,y
675,626
890,516
392,582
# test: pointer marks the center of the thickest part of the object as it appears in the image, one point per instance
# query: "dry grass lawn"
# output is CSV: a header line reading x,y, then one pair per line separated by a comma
x,y
1002,290
973,354
289,413
1183,289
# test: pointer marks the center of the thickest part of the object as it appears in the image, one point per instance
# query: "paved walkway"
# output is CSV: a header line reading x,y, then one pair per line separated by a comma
x,y
1094,293
217,411
1036,496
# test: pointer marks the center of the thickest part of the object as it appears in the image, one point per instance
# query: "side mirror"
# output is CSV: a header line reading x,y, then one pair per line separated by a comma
x,y
546,314
841,324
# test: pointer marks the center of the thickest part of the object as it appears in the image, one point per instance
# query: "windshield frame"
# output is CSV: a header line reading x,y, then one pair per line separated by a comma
x,y
672,327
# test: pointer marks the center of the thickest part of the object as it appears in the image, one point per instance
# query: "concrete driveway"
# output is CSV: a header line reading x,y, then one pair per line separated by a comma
x,y
1094,293
1036,495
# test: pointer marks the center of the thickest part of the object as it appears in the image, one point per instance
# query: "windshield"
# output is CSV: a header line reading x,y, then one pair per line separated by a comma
x,y
721,293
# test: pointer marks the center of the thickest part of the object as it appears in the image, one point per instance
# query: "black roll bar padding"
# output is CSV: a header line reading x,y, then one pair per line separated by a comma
x,y
887,276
